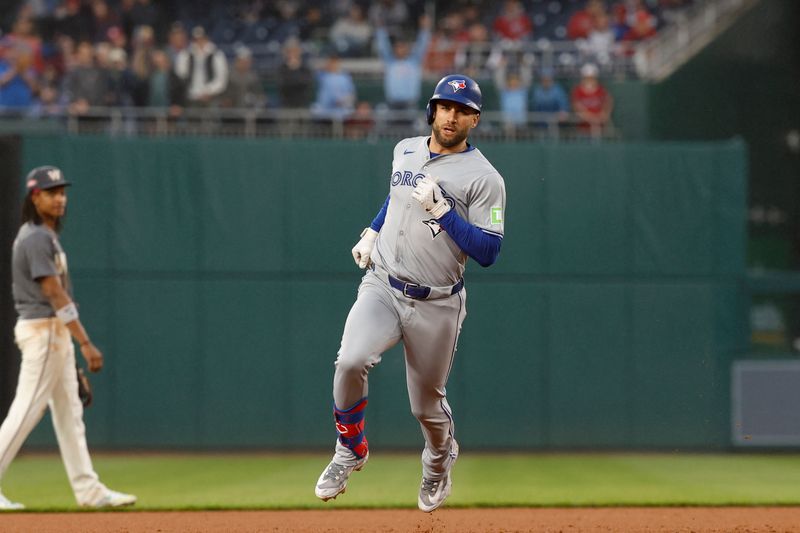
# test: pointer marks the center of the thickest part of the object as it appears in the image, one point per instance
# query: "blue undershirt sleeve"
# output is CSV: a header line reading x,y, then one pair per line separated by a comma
x,y
377,222
476,243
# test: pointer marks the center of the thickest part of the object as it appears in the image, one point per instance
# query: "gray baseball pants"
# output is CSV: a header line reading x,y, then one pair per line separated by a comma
x,y
380,318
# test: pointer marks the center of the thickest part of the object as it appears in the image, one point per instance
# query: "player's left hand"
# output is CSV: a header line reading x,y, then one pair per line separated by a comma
x,y
84,388
430,196
363,248
93,356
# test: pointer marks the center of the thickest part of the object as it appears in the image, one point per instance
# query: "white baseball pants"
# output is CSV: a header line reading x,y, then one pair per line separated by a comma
x,y
47,377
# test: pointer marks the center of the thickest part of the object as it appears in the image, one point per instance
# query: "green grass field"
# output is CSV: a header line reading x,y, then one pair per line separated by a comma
x,y
274,481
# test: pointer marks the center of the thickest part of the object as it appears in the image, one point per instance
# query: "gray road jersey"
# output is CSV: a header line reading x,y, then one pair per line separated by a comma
x,y
411,244
36,254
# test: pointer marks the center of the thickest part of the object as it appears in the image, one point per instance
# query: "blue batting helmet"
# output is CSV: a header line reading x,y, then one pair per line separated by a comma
x,y
457,88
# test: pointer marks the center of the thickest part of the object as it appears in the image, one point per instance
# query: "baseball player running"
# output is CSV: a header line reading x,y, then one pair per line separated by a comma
x,y
48,321
446,203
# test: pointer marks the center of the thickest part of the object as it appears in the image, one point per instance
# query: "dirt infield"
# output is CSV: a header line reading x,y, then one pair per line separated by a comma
x,y
615,519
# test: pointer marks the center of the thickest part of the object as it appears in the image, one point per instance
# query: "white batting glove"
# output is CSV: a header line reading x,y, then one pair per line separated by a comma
x,y
363,248
429,195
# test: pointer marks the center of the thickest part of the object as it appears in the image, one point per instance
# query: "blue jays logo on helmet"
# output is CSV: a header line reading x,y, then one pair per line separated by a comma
x,y
457,84
456,88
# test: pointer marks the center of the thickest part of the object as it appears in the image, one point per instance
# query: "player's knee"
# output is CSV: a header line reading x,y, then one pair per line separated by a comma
x,y
429,410
424,415
351,366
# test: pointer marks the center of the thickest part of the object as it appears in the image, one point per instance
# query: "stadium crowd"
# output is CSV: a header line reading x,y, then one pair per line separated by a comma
x,y
67,56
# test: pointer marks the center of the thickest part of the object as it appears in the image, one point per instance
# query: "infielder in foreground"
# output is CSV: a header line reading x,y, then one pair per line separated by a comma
x,y
446,203
48,321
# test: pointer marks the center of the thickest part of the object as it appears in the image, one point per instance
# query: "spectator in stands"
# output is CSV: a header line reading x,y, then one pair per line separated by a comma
x,y
49,101
75,20
18,82
336,92
443,47
64,58
245,89
644,27
120,78
390,14
103,19
549,96
310,27
288,22
351,34
117,38
471,15
177,40
204,68
582,21
85,85
629,9
590,100
295,78
472,56
512,23
141,64
513,86
619,21
165,87
101,51
402,63
24,38
600,42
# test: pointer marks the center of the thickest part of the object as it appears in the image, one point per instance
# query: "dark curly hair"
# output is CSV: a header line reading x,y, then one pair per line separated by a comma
x,y
30,214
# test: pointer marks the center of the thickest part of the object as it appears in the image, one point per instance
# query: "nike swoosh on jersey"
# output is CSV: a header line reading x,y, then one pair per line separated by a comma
x,y
407,151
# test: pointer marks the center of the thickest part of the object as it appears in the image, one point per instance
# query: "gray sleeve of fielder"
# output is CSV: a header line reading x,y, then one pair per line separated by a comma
x,y
40,253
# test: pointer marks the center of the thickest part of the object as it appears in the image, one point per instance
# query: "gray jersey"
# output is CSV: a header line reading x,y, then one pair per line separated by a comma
x,y
411,244
36,254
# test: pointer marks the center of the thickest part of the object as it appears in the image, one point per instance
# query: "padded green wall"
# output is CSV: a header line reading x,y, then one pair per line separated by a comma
x,y
216,275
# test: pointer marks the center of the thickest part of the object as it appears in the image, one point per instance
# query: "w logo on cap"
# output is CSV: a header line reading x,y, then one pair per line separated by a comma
x,y
54,174
457,84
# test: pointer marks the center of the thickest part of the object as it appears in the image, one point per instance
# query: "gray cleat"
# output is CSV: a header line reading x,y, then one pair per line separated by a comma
x,y
433,492
333,480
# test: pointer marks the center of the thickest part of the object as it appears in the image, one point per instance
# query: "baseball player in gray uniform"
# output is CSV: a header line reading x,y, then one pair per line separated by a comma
x,y
446,203
48,321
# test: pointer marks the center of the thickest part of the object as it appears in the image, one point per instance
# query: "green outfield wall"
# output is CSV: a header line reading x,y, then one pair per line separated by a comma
x,y
216,276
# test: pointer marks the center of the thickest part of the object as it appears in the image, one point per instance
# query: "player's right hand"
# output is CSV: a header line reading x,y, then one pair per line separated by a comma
x,y
363,248
431,197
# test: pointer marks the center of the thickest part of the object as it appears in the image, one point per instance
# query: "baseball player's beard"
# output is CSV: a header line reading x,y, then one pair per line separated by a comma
x,y
458,137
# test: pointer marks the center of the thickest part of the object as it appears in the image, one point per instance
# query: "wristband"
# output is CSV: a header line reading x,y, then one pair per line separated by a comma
x,y
370,233
68,313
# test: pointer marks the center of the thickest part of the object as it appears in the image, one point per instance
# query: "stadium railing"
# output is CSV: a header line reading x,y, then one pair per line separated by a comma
x,y
294,123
